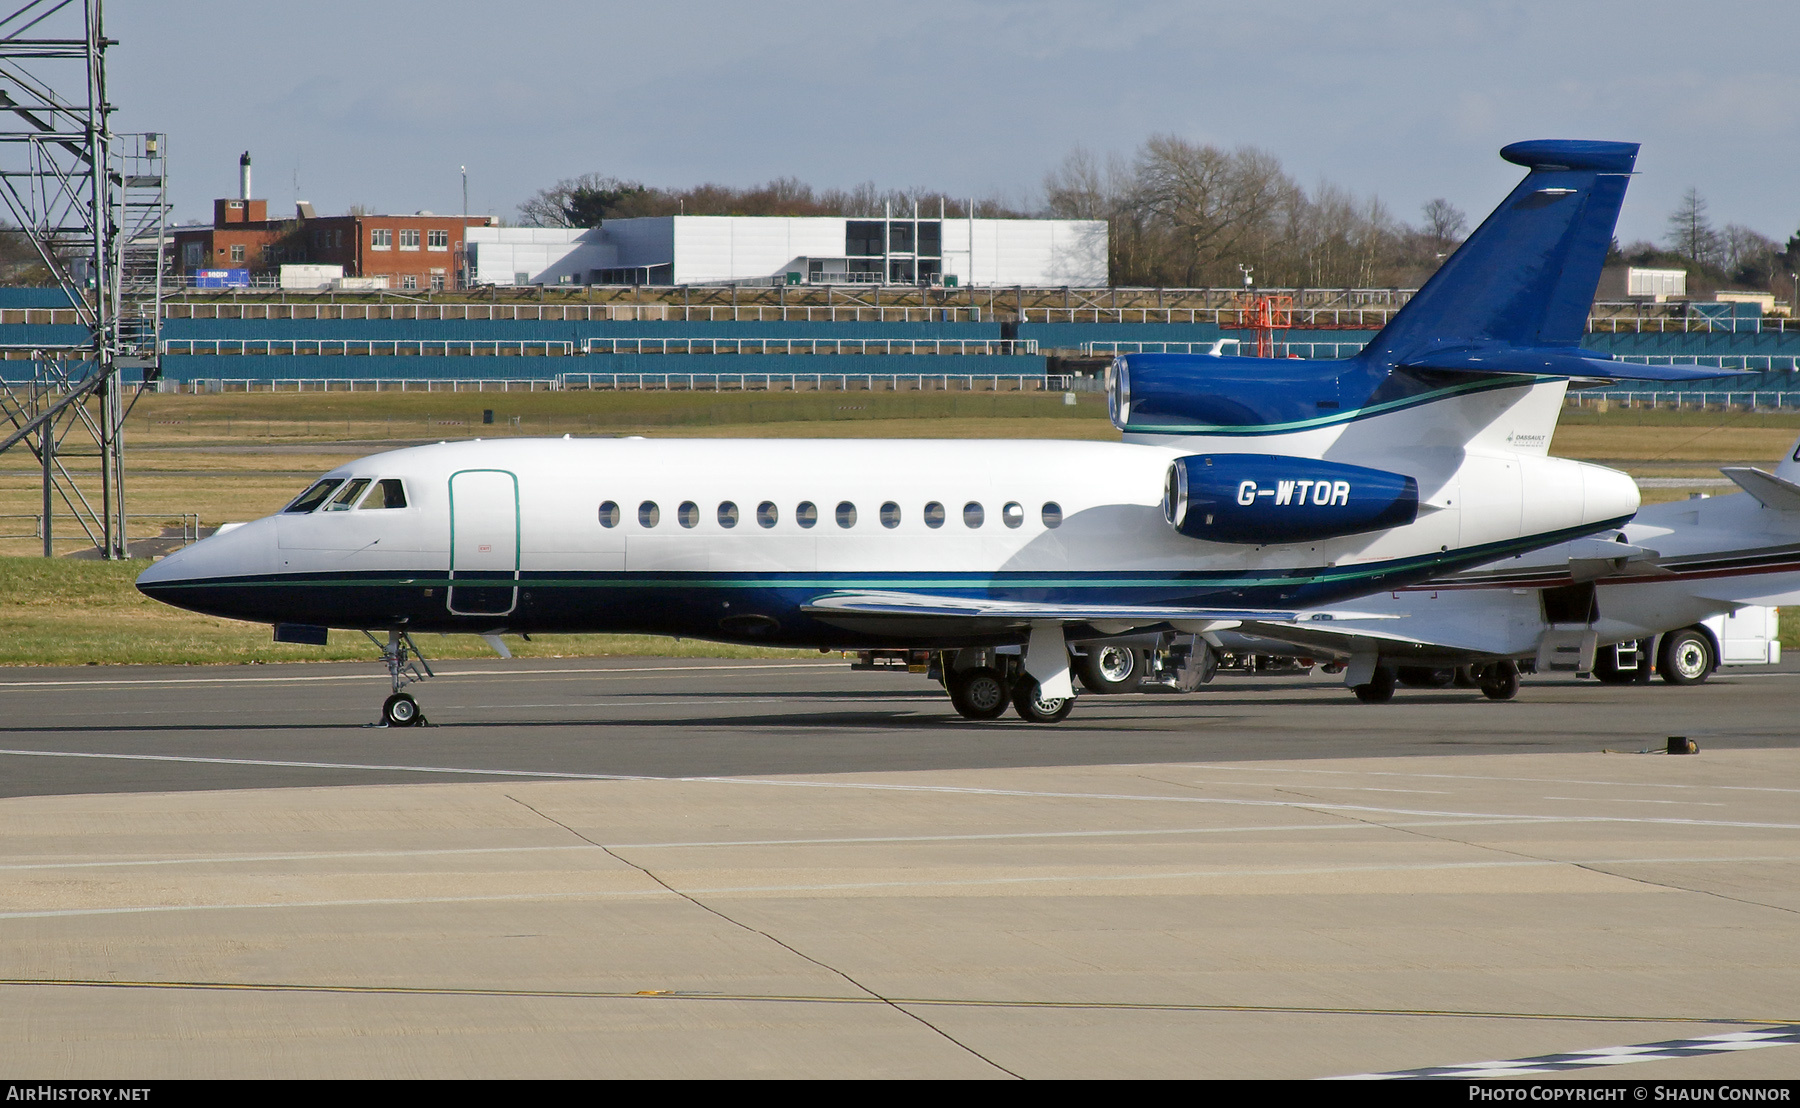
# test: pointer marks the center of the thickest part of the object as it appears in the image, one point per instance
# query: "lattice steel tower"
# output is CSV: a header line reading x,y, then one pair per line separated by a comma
x,y
93,206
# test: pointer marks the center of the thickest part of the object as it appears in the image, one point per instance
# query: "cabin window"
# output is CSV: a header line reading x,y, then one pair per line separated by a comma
x,y
728,514
1052,514
390,492
890,515
314,496
1013,514
609,514
846,514
347,497
972,514
648,514
934,515
806,513
688,514
767,514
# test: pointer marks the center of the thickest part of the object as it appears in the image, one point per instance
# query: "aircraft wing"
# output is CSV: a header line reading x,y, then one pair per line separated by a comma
x,y
1344,639
1772,491
966,613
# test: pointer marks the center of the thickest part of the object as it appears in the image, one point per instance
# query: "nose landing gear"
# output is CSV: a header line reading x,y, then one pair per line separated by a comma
x,y
405,665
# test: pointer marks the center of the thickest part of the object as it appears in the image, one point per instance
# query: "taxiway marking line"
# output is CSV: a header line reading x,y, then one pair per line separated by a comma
x,y
856,998
359,855
952,790
1476,777
327,855
814,888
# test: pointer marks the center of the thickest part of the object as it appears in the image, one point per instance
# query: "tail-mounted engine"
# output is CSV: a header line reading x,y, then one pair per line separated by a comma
x,y
1272,498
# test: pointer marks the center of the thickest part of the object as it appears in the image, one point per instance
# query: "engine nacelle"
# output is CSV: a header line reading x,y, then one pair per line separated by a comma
x,y
1184,394
1274,498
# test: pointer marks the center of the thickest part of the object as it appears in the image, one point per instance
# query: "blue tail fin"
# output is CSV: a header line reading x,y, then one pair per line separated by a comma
x,y
1525,279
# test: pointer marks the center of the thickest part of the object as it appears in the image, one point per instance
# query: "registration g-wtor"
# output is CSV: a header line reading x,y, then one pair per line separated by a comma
x,y
1245,491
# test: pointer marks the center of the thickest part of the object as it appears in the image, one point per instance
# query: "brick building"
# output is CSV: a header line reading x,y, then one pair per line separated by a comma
x,y
414,252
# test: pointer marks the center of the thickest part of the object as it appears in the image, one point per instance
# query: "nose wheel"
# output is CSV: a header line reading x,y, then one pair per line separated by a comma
x,y
401,710
405,665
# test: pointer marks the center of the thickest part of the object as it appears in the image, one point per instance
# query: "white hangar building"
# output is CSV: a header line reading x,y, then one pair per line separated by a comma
x,y
797,250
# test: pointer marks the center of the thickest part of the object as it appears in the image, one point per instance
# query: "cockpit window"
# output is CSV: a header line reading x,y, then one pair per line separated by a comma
x,y
390,492
314,496
347,496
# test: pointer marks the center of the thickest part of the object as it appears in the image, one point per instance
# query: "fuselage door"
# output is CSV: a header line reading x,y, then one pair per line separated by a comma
x,y
484,542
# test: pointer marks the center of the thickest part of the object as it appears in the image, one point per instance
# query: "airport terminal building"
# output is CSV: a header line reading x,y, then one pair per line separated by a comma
x,y
795,250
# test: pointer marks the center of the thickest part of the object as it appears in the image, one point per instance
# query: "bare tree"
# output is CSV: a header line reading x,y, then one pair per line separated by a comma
x,y
1690,233
1219,208
1079,188
1740,247
1445,224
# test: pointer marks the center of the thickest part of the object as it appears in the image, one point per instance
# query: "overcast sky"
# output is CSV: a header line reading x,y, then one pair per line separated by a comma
x,y
377,102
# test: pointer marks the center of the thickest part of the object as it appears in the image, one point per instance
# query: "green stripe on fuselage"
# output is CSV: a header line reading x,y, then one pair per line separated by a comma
x,y
652,579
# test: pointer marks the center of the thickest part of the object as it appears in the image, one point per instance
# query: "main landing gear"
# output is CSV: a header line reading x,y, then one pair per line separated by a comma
x,y
979,692
989,682
405,665
1496,680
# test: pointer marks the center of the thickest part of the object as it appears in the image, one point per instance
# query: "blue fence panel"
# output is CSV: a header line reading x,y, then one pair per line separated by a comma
x,y
575,331
1695,343
268,367
34,298
44,334
1070,336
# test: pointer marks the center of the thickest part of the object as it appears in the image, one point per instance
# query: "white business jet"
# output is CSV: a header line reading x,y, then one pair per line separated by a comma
x,y
1247,490
1652,589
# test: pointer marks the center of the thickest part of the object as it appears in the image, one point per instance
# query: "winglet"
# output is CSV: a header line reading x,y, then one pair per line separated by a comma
x,y
1774,492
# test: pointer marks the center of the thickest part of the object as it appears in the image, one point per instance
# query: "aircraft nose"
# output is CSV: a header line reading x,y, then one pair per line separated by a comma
x,y
182,578
1607,494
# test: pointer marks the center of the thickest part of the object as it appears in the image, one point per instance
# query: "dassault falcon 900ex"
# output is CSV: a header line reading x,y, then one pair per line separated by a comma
x,y
1245,491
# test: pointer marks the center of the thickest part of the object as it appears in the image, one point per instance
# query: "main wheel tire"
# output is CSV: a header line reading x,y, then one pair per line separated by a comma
x,y
979,693
1380,688
1107,668
1033,707
1500,681
1425,677
1687,657
400,710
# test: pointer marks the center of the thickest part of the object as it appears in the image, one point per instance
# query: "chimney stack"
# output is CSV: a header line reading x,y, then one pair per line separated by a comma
x,y
244,176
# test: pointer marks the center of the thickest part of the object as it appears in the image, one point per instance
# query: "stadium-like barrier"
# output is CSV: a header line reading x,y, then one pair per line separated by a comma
x,y
637,382
619,344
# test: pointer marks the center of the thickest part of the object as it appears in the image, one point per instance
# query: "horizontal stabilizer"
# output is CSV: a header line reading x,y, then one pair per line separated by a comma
x,y
1333,638
1774,492
1593,558
1559,363
1592,548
